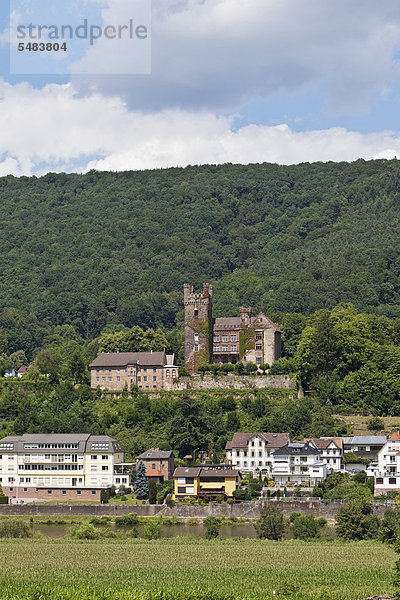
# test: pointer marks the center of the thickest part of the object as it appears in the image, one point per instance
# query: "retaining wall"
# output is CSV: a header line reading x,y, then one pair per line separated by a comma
x,y
231,381
250,510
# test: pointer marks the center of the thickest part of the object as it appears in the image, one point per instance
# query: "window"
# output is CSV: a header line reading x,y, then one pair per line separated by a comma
x,y
110,379
154,370
104,457
49,492
64,493
104,379
196,347
78,492
224,348
139,378
145,378
93,457
154,378
25,489
167,373
27,479
379,480
225,338
196,313
181,490
392,480
104,468
93,492
216,338
153,466
144,370
97,378
196,337
233,338
259,336
118,378
173,373
216,348
233,348
190,490
258,346
258,360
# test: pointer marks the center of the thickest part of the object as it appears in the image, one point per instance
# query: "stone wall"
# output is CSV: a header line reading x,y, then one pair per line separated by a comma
x,y
231,381
249,510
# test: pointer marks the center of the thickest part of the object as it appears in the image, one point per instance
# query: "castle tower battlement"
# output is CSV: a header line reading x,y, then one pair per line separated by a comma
x,y
198,326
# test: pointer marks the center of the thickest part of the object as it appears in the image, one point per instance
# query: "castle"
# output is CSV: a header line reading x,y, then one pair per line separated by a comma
x,y
251,339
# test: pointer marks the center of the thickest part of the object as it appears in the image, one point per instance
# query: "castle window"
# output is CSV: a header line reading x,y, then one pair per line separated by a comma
x,y
233,348
224,348
167,374
196,347
216,338
216,348
258,360
258,346
225,338
233,338
259,336
196,312
173,373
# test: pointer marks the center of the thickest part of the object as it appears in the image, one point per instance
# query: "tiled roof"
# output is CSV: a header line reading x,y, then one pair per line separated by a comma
x,y
395,436
155,453
274,440
324,443
122,359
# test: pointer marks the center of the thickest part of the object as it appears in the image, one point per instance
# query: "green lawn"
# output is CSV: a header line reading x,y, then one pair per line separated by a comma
x,y
192,568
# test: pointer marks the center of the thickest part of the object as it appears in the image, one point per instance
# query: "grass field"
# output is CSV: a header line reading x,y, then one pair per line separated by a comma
x,y
172,569
359,424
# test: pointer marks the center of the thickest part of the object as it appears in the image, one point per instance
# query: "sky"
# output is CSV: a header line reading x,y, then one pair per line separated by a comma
x,y
215,81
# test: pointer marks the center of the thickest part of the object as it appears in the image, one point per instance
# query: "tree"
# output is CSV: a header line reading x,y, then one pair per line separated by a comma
x,y
152,492
305,527
188,428
264,367
390,527
376,424
77,366
355,521
271,524
141,482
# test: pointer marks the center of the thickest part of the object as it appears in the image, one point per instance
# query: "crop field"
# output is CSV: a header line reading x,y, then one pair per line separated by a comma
x,y
178,569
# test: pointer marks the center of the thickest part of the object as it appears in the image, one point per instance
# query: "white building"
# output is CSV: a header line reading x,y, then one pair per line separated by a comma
x,y
387,475
298,463
60,466
331,452
366,446
252,452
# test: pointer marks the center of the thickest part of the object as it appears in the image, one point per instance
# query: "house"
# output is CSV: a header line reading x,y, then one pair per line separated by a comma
x,y
9,373
57,466
21,371
365,446
252,452
159,464
298,463
331,452
147,370
251,339
206,481
387,475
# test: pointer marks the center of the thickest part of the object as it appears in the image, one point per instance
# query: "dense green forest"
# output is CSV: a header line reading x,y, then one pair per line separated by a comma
x,y
115,248
97,262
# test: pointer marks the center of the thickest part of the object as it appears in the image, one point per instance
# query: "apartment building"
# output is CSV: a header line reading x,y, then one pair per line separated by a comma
x,y
331,452
54,466
206,481
147,370
253,452
299,463
387,473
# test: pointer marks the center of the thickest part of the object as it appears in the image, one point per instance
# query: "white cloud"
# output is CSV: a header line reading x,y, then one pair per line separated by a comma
x,y
219,54
55,129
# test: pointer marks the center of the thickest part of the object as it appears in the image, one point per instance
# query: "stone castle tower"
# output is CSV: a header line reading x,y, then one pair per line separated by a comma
x,y
198,326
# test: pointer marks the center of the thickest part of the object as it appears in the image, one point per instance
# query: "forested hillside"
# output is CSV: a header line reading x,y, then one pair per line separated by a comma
x,y
103,248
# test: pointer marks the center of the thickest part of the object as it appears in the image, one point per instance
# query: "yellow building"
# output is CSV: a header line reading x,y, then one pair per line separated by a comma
x,y
206,481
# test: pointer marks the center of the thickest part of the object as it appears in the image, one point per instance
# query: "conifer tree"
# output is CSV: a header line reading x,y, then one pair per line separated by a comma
x,y
141,482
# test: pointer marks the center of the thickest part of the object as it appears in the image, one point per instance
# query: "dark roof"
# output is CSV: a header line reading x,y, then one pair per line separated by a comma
x,y
85,441
274,440
187,471
155,453
300,448
122,359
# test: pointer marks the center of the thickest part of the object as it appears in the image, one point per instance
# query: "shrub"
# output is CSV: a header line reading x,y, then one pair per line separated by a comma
x,y
86,531
271,524
134,532
390,527
305,527
152,530
212,525
317,492
321,521
104,496
239,494
169,502
294,516
130,519
12,528
219,498
355,521
376,424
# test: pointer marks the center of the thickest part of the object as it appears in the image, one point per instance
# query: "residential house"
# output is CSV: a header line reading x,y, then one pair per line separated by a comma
x,y
252,452
147,370
299,463
160,464
387,475
56,466
10,373
205,481
366,446
21,371
331,452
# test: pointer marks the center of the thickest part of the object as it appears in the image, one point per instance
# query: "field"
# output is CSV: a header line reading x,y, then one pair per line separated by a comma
x,y
359,424
170,569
